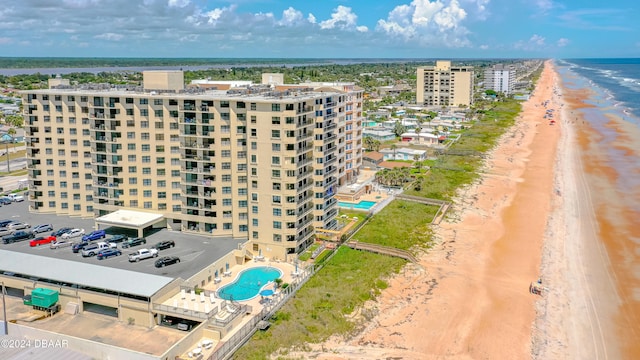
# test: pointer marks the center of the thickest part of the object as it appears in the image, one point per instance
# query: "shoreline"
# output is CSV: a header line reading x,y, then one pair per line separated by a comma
x,y
469,297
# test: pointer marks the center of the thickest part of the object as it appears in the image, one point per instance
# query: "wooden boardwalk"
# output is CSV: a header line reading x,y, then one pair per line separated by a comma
x,y
381,249
443,205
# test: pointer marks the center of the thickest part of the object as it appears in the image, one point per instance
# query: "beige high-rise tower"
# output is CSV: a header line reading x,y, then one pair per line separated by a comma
x,y
250,163
444,85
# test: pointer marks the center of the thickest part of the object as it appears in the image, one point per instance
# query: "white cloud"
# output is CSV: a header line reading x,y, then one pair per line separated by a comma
x,y
291,16
428,22
5,40
311,18
484,47
562,42
110,36
179,3
342,18
535,43
544,5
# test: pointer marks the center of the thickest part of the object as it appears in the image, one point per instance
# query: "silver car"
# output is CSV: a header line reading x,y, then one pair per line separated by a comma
x,y
59,243
42,228
6,231
18,226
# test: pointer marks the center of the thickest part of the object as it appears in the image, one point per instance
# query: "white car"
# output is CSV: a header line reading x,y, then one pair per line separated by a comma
x,y
73,233
16,197
18,226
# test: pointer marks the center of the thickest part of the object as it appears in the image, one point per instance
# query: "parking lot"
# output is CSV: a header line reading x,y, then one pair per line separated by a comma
x,y
195,252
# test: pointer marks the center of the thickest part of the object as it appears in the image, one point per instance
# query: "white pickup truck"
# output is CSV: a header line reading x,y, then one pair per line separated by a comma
x,y
143,254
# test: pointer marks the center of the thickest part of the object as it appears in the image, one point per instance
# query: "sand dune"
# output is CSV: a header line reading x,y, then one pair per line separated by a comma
x,y
469,297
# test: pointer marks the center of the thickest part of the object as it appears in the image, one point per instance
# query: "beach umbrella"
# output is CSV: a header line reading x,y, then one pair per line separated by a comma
x,y
227,266
217,274
260,252
296,266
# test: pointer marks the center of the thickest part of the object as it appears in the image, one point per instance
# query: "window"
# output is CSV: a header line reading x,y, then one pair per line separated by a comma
x,y
275,107
146,159
133,181
226,177
275,120
242,203
277,212
275,134
276,199
224,104
146,193
157,101
133,192
146,171
254,222
146,182
254,209
277,225
275,173
277,237
276,186
226,202
131,158
275,160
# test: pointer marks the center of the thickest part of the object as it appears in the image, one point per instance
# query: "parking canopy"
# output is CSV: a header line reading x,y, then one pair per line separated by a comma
x,y
129,219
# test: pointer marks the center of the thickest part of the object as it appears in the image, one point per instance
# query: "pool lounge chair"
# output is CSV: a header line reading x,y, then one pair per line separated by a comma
x,y
212,298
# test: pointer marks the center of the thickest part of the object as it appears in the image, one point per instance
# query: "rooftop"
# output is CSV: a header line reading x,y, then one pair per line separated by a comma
x,y
71,272
130,218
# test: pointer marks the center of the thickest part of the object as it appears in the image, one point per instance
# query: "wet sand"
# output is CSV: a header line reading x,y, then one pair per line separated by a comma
x,y
470,299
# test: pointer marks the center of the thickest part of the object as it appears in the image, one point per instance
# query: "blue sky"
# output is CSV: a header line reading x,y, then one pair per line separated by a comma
x,y
321,28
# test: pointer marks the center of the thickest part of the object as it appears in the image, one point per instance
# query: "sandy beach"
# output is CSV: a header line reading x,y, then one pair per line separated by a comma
x,y
469,298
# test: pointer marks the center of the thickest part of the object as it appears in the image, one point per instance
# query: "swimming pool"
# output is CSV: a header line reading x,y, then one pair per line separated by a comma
x,y
362,205
249,283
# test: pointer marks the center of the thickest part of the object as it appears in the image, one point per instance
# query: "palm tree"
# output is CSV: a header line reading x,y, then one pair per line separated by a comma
x,y
376,145
418,130
394,147
11,132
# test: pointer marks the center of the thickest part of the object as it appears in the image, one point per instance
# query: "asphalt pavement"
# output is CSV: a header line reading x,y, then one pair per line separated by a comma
x,y
195,252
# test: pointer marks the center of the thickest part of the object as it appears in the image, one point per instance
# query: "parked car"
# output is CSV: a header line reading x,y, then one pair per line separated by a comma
x,y
6,231
42,228
76,247
164,245
16,197
18,226
59,243
4,223
107,253
118,238
42,241
94,249
143,254
134,242
73,233
167,260
61,231
94,235
5,200
19,235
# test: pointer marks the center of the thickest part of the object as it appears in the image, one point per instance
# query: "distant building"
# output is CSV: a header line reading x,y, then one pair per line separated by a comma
x,y
379,134
500,78
444,85
403,154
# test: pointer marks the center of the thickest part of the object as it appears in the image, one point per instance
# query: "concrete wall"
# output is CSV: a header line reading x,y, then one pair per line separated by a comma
x,y
91,348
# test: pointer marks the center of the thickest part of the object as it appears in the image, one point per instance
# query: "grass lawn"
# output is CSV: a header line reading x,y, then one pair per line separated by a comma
x,y
318,309
401,224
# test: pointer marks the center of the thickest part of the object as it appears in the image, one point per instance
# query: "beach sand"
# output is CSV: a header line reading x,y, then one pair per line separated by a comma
x,y
469,298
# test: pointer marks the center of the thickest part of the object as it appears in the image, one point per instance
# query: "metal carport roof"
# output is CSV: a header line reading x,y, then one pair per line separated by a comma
x,y
89,275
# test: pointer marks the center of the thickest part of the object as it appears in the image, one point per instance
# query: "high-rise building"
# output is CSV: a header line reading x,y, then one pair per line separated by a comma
x,y
444,85
250,162
500,78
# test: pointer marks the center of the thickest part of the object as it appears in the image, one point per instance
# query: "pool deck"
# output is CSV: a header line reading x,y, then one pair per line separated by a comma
x,y
255,303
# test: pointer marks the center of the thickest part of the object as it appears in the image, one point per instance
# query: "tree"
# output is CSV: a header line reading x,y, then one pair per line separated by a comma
x,y
11,132
376,145
368,142
394,147
418,130
399,129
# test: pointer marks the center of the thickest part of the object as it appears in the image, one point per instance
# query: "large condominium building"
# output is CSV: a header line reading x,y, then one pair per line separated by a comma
x,y
500,78
251,162
444,85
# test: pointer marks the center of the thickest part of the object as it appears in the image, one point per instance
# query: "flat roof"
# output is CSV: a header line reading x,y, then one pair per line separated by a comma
x,y
130,218
90,275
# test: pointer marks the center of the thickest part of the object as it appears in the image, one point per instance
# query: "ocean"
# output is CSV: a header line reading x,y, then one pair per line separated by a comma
x,y
619,78
605,115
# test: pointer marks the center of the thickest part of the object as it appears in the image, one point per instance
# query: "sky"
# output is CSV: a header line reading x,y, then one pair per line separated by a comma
x,y
320,28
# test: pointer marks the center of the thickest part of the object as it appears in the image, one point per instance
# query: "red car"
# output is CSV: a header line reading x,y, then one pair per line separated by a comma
x,y
42,241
